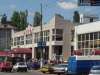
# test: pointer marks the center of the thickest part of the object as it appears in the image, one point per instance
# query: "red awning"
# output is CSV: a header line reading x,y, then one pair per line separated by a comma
x,y
96,52
21,50
78,52
4,53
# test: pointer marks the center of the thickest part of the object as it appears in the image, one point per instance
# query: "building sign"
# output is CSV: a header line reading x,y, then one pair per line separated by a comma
x,y
89,2
41,44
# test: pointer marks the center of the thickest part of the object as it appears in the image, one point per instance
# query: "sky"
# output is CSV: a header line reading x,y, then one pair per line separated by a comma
x,y
64,7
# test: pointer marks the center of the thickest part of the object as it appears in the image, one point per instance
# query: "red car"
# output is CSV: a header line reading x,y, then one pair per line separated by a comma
x,y
5,66
5,61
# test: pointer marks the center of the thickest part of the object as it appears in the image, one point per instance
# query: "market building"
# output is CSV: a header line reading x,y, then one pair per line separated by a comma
x,y
87,37
57,36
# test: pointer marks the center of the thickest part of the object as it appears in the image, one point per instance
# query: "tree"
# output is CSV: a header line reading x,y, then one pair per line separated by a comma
x,y
19,19
4,19
37,19
23,20
76,17
16,19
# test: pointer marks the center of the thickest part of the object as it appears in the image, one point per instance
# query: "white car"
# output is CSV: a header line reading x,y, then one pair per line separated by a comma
x,y
59,68
20,66
95,70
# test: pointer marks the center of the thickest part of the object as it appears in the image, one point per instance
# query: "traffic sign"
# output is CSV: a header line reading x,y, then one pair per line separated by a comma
x,y
41,44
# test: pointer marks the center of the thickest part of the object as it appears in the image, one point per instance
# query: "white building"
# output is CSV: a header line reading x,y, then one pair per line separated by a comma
x,y
87,18
56,33
87,37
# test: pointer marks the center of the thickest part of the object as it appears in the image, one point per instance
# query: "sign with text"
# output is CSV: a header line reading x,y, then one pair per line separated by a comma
x,y
89,2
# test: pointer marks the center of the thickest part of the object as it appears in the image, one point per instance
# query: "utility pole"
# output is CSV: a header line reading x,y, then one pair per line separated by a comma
x,y
41,38
41,43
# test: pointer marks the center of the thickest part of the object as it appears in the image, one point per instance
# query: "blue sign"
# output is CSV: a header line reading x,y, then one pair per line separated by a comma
x,y
89,2
41,44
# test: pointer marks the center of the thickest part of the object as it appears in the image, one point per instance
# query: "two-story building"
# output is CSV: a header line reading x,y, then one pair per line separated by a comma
x,y
57,35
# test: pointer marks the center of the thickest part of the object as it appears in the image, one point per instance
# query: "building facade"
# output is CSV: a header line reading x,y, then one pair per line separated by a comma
x,y
87,37
87,18
5,36
56,35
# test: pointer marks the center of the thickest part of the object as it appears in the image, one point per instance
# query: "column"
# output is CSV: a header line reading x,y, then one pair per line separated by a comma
x,y
33,52
50,52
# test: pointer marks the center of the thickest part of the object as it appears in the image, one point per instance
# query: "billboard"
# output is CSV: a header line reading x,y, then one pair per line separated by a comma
x,y
89,2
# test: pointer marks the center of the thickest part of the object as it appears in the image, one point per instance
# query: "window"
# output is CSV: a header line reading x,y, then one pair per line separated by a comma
x,y
45,36
83,37
18,40
79,37
91,36
87,36
22,40
95,35
29,39
87,44
12,42
72,33
79,45
15,41
57,35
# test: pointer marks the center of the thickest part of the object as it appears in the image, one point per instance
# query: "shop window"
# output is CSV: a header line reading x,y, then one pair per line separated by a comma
x,y
91,36
79,37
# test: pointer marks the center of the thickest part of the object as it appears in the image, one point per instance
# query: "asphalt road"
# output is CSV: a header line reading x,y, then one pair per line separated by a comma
x,y
24,73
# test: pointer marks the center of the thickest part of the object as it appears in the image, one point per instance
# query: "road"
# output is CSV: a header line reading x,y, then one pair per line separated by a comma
x,y
24,73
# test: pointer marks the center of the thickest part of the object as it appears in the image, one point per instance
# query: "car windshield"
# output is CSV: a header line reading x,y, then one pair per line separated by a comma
x,y
96,68
94,72
61,65
21,63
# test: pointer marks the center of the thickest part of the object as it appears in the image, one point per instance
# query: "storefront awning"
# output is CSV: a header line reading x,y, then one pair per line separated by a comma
x,y
4,53
21,50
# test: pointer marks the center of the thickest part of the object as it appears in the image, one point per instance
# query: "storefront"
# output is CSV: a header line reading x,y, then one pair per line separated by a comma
x,y
25,53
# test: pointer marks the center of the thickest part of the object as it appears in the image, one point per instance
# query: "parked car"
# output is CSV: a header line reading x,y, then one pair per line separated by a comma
x,y
46,68
59,68
33,65
5,66
95,70
20,66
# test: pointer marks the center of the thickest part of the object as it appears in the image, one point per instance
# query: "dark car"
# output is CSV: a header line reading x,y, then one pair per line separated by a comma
x,y
33,65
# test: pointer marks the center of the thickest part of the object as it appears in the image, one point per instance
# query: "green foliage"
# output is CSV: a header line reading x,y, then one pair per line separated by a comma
x,y
16,19
37,19
76,17
19,19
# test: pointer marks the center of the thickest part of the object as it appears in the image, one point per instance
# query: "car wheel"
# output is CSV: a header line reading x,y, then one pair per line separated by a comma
x,y
10,70
17,70
59,74
43,72
25,70
0,70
